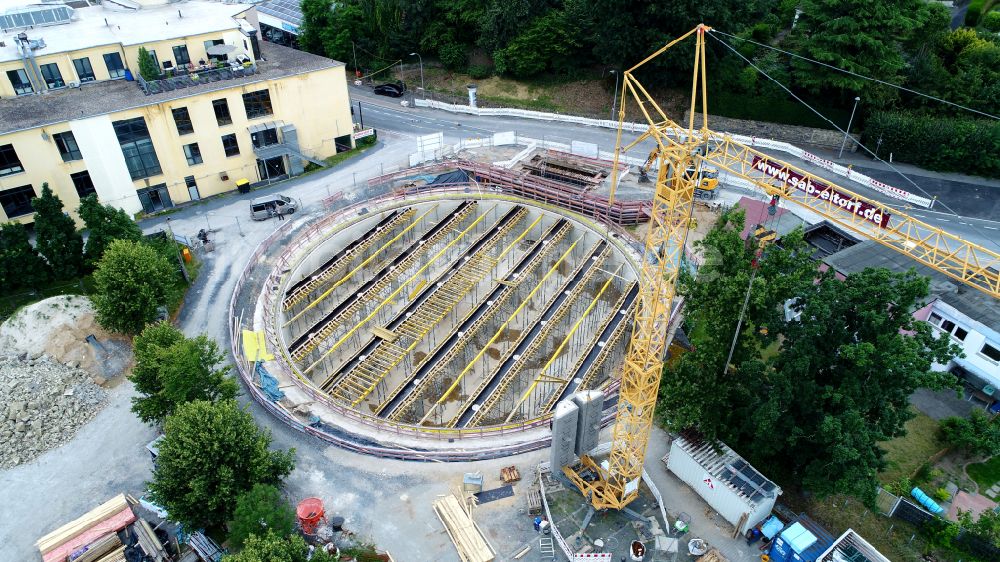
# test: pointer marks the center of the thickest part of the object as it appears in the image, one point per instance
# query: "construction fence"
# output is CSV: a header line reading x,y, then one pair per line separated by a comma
x,y
897,507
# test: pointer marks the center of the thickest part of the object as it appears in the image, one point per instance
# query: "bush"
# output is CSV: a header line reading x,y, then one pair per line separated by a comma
x,y
480,71
452,55
970,146
259,510
941,495
974,12
991,21
976,435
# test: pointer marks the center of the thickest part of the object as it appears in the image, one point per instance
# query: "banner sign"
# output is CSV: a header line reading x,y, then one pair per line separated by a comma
x,y
820,190
363,133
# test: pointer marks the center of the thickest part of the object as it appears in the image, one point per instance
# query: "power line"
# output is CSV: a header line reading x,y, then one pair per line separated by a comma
x,y
856,75
859,143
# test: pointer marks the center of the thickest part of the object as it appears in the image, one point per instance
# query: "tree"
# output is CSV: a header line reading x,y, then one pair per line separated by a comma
x,y
259,511
699,390
56,236
977,435
547,44
859,36
132,282
20,264
986,526
104,223
172,370
148,68
273,547
841,383
211,454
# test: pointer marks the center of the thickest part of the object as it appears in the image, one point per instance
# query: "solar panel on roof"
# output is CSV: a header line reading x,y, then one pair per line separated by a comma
x,y
287,10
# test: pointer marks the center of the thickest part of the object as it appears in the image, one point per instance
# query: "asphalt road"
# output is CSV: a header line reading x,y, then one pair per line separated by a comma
x,y
977,205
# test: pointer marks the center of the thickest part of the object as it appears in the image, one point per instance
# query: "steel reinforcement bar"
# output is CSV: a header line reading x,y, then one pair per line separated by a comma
x,y
425,312
494,384
402,399
308,341
305,286
589,363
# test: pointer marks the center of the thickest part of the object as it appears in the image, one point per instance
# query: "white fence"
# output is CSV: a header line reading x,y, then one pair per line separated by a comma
x,y
785,147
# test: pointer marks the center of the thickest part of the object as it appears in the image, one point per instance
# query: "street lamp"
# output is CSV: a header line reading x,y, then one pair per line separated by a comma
x,y
421,69
615,102
848,131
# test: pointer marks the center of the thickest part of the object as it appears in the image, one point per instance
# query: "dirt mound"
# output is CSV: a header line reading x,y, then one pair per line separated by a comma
x,y
59,327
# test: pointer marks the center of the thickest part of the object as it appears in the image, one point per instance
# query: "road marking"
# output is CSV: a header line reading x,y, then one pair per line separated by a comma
x,y
944,220
991,227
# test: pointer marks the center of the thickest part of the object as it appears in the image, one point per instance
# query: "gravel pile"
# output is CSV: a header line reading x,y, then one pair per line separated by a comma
x,y
42,404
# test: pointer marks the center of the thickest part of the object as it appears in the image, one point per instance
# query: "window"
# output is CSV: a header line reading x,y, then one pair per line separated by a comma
x,y
257,104
84,71
19,79
192,153
156,60
954,330
140,155
114,63
68,148
84,185
989,351
9,162
192,186
230,145
264,137
16,202
221,108
183,121
181,54
211,43
52,76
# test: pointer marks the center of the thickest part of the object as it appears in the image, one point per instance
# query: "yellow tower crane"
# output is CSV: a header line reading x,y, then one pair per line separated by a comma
x,y
615,483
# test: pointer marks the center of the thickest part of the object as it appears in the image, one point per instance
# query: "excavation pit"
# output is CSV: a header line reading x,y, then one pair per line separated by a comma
x,y
446,314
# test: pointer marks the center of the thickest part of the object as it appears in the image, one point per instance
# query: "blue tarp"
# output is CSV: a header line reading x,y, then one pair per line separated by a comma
x,y
268,383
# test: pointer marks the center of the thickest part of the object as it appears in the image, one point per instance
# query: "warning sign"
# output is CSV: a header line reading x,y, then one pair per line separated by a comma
x,y
708,480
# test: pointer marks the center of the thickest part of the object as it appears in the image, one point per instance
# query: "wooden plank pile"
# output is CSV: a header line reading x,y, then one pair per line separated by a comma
x,y
534,501
509,474
88,531
464,533
713,555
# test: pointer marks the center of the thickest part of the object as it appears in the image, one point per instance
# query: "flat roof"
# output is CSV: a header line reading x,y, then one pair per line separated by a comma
x,y
974,303
100,98
95,26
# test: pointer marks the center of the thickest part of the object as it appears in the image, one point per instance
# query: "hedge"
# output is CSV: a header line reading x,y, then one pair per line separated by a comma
x,y
970,146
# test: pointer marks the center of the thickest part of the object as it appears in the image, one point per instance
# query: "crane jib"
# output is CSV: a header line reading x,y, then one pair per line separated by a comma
x,y
809,186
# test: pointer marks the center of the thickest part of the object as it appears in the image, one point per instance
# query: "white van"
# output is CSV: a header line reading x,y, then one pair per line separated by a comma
x,y
263,208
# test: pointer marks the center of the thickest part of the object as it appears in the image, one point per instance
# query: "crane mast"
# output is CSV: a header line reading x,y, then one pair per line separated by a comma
x,y
613,484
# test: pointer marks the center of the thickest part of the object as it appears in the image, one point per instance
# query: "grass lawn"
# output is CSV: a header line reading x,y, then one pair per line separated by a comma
x,y
906,454
10,303
985,473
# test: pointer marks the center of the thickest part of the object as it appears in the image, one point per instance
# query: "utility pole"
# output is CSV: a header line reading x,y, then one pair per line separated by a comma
x,y
180,260
353,50
848,131
361,116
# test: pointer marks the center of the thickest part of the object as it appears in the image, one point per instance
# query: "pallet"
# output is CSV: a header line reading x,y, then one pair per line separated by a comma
x,y
534,502
509,474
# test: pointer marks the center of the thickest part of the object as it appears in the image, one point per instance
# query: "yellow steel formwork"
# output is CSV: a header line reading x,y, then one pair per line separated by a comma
x,y
362,380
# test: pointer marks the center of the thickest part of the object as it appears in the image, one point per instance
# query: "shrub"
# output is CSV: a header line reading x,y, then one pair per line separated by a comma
x,y
452,55
259,510
480,71
942,495
991,21
132,282
976,435
966,145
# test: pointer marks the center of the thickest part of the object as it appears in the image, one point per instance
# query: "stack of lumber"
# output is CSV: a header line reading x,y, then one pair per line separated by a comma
x,y
100,548
468,539
509,474
105,519
148,541
713,555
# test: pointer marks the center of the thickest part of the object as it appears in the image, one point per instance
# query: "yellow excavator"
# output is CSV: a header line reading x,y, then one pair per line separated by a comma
x,y
708,178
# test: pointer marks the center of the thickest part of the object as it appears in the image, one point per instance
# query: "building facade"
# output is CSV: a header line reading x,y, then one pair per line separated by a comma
x,y
76,114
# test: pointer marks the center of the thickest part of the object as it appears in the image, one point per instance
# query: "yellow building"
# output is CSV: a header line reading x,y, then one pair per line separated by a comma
x,y
75,113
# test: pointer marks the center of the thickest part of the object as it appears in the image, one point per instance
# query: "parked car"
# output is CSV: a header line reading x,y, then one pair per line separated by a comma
x,y
263,208
391,90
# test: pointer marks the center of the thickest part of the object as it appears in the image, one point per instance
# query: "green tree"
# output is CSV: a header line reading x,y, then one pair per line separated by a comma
x,y
258,511
56,236
274,547
20,264
699,390
132,281
547,44
104,224
977,435
148,68
212,453
841,383
172,370
862,37
986,526
991,22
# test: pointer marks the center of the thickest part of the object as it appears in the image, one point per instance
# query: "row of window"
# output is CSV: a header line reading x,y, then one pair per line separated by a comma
x,y
257,104
16,201
10,163
959,333
53,77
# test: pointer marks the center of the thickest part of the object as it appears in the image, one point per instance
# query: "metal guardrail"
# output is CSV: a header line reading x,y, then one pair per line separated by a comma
x,y
194,78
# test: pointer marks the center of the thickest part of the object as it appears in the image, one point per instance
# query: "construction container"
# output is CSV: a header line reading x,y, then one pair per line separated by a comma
x,y
740,494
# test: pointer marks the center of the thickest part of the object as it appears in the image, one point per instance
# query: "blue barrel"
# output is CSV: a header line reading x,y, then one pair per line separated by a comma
x,y
926,501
